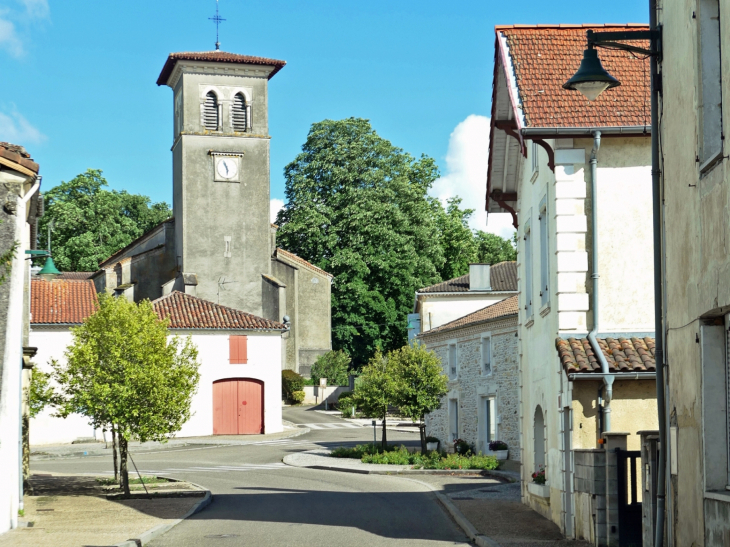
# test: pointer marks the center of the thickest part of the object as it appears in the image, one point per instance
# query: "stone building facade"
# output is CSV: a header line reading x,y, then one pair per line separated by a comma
x,y
480,356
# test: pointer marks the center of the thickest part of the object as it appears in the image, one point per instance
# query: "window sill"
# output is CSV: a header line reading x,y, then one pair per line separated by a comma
x,y
545,310
709,164
530,322
535,173
718,496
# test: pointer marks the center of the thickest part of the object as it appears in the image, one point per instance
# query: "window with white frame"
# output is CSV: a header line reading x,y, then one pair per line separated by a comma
x,y
486,355
528,268
453,365
544,255
711,136
490,420
535,160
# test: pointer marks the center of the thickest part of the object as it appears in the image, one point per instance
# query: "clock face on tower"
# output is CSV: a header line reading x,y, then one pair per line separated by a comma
x,y
227,168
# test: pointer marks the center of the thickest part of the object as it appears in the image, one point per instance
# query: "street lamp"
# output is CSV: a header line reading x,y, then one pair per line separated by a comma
x,y
592,80
49,270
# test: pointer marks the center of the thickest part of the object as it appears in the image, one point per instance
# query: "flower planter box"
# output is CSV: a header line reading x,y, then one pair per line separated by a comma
x,y
539,490
432,446
500,454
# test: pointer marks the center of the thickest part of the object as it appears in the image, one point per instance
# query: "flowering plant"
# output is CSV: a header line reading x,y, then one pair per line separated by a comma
x,y
462,447
538,477
497,445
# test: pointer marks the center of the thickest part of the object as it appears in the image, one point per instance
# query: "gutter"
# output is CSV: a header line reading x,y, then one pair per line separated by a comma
x,y
615,375
627,130
597,351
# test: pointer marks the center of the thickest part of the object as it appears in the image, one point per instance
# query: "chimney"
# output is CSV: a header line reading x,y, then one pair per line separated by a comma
x,y
479,279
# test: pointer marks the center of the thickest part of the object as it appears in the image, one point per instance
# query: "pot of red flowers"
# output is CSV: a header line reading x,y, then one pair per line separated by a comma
x,y
539,486
499,449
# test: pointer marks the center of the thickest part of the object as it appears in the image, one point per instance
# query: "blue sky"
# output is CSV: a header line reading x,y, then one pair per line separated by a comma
x,y
78,77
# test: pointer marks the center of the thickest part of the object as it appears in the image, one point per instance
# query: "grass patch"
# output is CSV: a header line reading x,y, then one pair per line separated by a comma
x,y
109,481
399,455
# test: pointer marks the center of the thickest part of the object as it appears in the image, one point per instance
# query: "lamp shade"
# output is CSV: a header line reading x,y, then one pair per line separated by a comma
x,y
591,79
49,270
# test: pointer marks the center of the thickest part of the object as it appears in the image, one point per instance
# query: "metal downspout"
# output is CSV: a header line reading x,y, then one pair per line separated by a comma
x,y
607,378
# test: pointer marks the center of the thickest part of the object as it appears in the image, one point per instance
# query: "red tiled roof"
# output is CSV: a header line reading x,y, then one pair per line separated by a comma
x,y
301,261
18,154
189,312
61,301
500,310
622,354
503,277
77,276
545,57
216,56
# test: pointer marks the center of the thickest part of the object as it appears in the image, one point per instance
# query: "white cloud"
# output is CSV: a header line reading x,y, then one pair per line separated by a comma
x,y
16,129
466,175
275,205
36,9
9,38
26,18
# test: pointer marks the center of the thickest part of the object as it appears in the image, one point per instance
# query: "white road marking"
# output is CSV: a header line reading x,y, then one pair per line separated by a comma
x,y
336,425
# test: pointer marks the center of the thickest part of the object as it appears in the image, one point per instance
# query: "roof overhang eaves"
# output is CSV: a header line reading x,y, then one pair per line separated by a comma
x,y
436,331
232,329
598,376
573,132
456,293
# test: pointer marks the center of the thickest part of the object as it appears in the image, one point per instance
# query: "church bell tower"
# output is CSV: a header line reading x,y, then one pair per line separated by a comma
x,y
220,156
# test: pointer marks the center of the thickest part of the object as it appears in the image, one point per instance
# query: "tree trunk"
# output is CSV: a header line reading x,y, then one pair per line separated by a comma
x,y
123,464
385,437
114,452
422,431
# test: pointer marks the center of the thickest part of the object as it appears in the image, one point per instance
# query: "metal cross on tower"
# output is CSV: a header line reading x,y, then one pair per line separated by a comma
x,y
218,20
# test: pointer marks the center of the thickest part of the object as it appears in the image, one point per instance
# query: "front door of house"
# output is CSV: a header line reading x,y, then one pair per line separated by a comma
x,y
238,407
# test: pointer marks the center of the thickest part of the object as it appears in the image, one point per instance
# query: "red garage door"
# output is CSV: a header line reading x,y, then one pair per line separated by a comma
x,y
238,407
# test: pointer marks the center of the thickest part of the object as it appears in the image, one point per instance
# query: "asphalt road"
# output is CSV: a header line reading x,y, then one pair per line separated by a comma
x,y
260,501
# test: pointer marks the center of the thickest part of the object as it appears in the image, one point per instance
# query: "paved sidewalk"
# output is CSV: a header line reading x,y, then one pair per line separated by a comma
x,y
69,511
45,452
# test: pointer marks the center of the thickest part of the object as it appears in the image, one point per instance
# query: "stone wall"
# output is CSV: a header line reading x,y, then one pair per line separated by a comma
x,y
471,387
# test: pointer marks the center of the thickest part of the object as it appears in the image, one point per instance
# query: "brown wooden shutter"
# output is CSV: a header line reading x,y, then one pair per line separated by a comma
x,y
243,349
233,350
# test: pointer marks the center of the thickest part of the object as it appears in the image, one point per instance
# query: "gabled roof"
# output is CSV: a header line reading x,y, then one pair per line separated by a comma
x,y
77,276
190,312
61,301
16,154
503,277
218,57
137,241
622,354
500,310
300,261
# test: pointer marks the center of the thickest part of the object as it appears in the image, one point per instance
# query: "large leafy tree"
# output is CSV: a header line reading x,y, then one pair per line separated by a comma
x,y
90,223
358,207
123,373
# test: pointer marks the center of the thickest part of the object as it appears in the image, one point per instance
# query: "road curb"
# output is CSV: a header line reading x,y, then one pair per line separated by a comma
x,y
153,533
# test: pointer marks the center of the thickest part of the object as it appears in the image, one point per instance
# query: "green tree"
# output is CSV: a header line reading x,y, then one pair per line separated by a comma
x,y
492,249
358,207
41,393
377,390
421,383
124,374
91,223
457,239
332,365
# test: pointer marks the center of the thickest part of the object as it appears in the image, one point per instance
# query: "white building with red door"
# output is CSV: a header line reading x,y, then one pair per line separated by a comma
x,y
240,358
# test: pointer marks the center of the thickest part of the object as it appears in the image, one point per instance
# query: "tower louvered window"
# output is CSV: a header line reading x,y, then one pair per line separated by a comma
x,y
238,113
210,112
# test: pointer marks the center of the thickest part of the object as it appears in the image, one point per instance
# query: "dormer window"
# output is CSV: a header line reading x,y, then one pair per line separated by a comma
x,y
239,113
210,112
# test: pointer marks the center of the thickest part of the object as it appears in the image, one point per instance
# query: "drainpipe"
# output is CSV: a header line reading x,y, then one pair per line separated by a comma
x,y
607,378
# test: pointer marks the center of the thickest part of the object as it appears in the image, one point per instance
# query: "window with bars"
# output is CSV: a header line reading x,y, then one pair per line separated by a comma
x,y
711,82
487,355
210,112
239,114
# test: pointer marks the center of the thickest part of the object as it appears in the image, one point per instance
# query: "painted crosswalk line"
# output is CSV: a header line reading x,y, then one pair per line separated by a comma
x,y
334,425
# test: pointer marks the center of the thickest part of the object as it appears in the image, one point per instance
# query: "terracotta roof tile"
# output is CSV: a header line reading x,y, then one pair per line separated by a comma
x,y
77,276
622,354
503,277
503,308
19,155
545,57
189,312
61,301
301,261
216,56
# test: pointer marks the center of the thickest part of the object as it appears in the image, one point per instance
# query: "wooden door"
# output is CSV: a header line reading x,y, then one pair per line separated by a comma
x,y
238,407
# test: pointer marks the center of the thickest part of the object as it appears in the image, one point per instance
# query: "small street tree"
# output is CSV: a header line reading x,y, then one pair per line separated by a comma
x,y
124,374
421,383
332,365
377,390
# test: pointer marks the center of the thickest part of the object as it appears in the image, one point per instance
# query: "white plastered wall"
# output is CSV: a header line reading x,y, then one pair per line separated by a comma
x,y
438,310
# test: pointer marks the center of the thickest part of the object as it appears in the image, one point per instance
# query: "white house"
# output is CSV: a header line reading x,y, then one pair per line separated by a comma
x,y
240,358
576,177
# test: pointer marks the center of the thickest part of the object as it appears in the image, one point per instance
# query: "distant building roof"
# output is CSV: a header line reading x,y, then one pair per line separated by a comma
x,y
622,354
61,301
503,277
218,57
121,251
18,155
75,276
299,260
499,310
544,57
190,312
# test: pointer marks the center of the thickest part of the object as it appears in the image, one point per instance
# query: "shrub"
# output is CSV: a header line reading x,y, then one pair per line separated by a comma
x,y
462,447
361,450
332,365
497,445
399,455
290,382
431,439
297,397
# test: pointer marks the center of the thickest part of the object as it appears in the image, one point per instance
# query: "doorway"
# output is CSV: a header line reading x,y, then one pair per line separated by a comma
x,y
238,407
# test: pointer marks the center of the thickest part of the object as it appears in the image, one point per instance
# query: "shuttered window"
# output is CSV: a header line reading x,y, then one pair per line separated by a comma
x,y
238,113
210,112
238,350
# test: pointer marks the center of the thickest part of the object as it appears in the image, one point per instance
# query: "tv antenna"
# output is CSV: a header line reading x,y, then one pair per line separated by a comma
x,y
218,20
221,285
